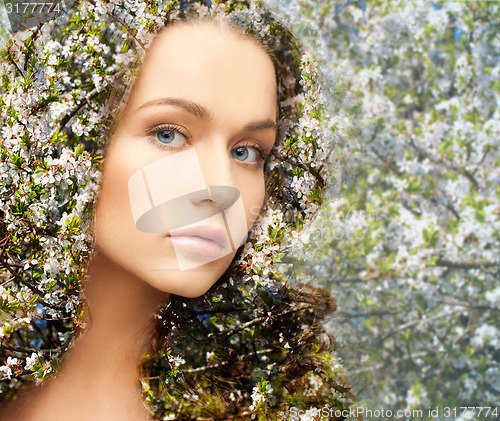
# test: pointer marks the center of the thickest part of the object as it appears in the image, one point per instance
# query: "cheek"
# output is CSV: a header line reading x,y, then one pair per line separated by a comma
x,y
253,196
113,214
123,158
113,192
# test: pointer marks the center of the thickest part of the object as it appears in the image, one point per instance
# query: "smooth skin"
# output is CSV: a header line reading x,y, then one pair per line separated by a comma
x,y
202,86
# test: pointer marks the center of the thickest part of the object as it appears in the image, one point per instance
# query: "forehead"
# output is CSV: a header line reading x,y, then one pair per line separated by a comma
x,y
209,65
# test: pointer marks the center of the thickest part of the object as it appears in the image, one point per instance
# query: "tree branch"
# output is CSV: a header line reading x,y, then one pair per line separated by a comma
x,y
465,265
444,163
256,321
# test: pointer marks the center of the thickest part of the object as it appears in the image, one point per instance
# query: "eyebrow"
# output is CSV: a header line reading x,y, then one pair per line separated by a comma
x,y
190,106
203,113
261,125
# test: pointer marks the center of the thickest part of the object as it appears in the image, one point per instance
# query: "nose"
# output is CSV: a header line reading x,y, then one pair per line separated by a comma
x,y
215,164
198,205
203,188
219,198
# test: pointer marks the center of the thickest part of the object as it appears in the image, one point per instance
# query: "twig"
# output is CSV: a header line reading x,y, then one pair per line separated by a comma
x,y
131,33
255,321
446,164
417,322
466,265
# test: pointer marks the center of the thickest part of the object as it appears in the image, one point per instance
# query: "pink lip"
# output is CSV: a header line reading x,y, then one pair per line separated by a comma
x,y
203,240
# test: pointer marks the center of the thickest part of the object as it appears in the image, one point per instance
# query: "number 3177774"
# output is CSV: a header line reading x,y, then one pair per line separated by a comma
x,y
32,7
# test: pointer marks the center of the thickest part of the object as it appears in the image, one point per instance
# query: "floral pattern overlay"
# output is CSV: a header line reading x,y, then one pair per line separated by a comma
x,y
251,348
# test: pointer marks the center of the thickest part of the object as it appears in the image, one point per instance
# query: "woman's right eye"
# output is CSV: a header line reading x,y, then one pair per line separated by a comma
x,y
170,137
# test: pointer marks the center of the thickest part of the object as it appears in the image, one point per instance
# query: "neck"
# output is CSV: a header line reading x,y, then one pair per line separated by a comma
x,y
101,371
120,321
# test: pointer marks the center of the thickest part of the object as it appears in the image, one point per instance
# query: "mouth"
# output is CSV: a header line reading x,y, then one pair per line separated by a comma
x,y
202,240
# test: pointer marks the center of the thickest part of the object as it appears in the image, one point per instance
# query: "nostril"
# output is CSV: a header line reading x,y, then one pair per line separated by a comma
x,y
219,198
223,197
200,197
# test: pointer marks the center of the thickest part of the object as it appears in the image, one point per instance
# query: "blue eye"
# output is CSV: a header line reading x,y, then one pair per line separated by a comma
x,y
171,138
242,153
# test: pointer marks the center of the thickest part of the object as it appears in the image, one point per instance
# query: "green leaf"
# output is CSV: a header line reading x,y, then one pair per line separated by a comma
x,y
79,151
431,236
32,299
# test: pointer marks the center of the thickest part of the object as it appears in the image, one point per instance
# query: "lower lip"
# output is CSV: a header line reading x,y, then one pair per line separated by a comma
x,y
197,245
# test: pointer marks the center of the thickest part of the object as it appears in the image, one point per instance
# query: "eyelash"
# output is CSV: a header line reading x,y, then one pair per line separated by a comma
x,y
153,131
260,151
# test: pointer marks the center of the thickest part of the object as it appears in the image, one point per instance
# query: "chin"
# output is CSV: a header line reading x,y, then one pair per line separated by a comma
x,y
189,286
192,283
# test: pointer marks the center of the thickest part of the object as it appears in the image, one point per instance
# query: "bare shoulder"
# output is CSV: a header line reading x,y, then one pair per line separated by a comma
x,y
19,408
40,404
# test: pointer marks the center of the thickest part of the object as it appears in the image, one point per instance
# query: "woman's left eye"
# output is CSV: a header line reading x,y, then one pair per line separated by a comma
x,y
247,154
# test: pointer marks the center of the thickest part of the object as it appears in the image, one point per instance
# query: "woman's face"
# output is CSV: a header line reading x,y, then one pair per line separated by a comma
x,y
183,178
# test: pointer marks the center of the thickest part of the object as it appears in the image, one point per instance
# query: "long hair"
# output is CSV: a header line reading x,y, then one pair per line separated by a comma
x,y
254,344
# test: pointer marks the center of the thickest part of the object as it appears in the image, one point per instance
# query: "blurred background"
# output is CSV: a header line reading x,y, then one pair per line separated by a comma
x,y
408,241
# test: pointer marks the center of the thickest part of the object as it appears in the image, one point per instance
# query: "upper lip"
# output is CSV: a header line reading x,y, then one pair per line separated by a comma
x,y
207,232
